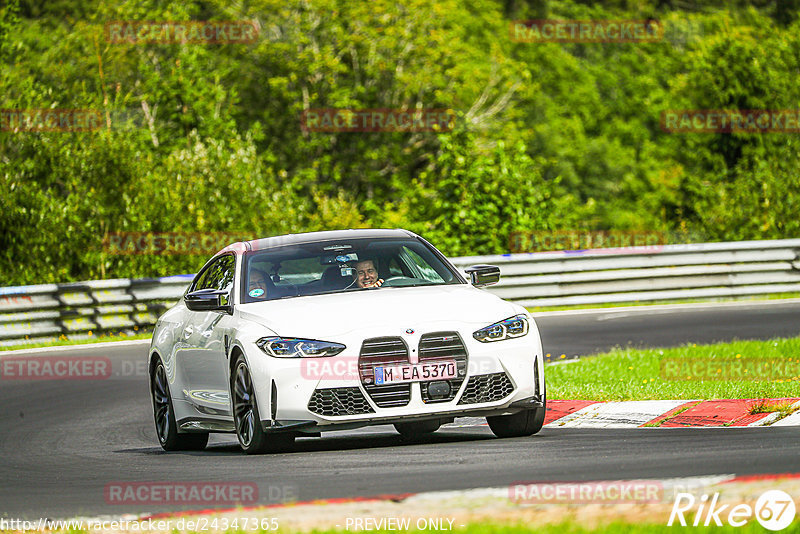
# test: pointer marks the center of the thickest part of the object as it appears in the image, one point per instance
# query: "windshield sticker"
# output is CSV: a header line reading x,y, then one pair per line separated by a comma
x,y
257,292
344,258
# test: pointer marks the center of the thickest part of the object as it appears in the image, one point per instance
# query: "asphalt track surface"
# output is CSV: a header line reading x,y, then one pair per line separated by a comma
x,y
667,326
63,441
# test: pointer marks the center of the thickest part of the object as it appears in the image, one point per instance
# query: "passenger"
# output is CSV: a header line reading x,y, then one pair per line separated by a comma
x,y
366,275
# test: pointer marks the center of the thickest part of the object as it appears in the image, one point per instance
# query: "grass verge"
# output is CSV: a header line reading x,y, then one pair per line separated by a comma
x,y
670,373
750,298
63,340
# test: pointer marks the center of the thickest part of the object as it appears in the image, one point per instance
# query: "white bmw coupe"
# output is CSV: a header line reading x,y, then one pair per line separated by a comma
x,y
289,336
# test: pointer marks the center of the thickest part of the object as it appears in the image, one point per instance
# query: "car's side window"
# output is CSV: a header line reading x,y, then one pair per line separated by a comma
x,y
395,269
423,268
198,283
218,275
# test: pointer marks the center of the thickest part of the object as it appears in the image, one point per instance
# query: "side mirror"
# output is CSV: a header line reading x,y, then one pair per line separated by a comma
x,y
208,300
483,275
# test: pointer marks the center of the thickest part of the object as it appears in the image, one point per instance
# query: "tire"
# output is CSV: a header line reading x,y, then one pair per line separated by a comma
x,y
164,417
522,424
246,419
417,429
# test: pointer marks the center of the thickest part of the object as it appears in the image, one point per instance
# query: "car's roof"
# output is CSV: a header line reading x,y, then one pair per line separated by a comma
x,y
312,237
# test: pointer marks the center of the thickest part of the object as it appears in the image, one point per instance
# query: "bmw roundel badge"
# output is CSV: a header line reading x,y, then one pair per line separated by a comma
x,y
409,330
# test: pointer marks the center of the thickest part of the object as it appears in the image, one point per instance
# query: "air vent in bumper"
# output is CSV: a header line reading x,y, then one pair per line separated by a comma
x,y
339,401
443,346
487,388
383,351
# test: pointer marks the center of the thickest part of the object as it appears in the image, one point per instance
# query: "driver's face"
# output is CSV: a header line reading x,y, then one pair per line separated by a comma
x,y
257,282
366,275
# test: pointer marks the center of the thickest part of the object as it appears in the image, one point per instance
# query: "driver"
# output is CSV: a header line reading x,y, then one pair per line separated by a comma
x,y
366,275
258,281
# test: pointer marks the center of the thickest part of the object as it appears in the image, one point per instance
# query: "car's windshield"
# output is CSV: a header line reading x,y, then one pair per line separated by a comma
x,y
345,265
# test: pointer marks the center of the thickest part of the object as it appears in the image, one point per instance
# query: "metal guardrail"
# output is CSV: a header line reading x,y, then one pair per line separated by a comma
x,y
668,272
48,311
599,276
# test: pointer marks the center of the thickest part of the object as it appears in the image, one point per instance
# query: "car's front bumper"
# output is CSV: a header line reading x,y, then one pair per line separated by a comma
x,y
285,399
312,427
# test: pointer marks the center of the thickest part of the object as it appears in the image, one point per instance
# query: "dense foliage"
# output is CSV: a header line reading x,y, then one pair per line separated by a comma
x,y
207,138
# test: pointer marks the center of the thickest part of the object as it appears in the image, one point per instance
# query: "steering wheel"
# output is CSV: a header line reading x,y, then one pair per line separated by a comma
x,y
386,282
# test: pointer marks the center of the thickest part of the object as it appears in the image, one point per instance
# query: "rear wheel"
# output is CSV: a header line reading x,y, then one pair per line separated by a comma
x,y
416,429
164,416
251,434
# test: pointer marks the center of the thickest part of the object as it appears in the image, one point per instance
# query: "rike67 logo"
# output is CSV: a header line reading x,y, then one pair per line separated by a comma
x,y
774,510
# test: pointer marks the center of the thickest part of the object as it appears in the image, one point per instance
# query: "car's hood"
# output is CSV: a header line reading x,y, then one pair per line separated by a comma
x,y
386,309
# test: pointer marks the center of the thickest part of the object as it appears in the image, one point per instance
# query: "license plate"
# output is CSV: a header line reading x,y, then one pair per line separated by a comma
x,y
420,372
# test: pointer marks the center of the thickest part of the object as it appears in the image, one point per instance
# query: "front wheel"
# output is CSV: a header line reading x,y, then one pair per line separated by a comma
x,y
164,416
522,424
251,434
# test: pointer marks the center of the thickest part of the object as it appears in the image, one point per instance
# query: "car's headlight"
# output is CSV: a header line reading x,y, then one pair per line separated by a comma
x,y
512,327
283,347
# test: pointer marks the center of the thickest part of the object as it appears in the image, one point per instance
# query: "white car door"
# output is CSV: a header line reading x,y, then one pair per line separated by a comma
x,y
203,362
